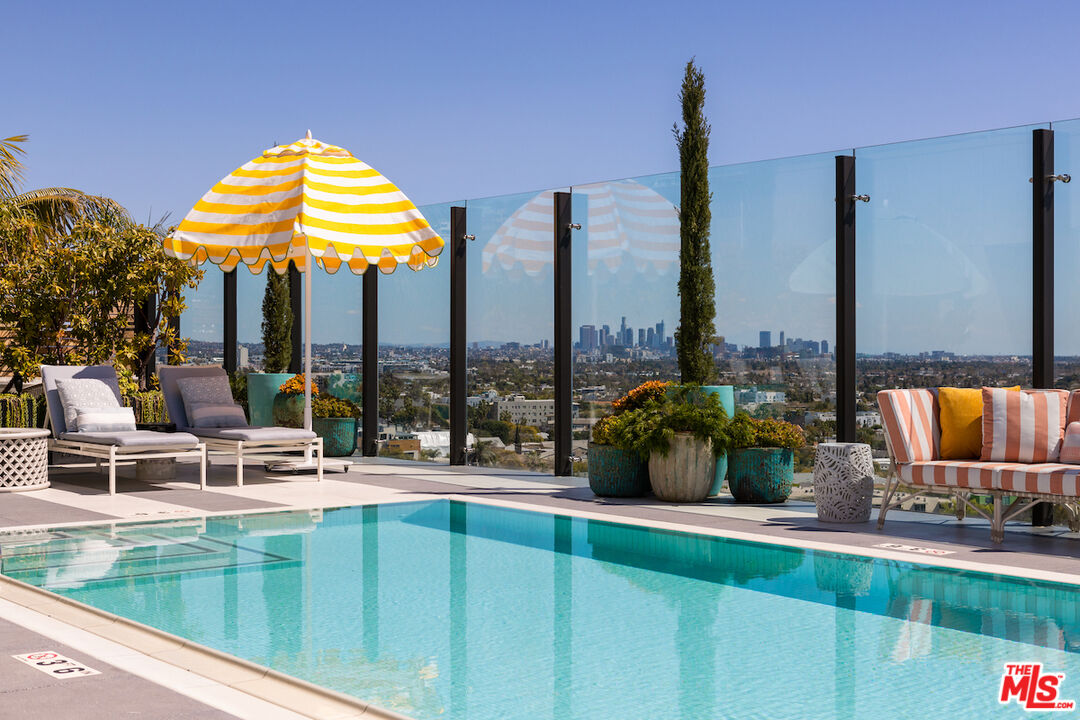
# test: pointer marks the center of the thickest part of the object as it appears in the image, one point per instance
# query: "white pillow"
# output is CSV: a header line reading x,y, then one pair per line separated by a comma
x,y
212,389
106,419
82,394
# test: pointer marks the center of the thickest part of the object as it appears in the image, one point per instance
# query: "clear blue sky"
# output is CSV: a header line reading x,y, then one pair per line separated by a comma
x,y
151,103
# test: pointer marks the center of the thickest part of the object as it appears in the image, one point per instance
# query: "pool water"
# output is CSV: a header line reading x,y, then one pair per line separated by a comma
x,y
457,610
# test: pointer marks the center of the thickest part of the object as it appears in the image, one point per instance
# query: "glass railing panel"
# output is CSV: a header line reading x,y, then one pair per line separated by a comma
x,y
414,354
510,331
201,323
1066,255
625,302
773,259
943,264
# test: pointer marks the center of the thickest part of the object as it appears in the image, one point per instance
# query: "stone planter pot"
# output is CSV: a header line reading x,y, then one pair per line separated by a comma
x,y
726,394
288,411
761,475
262,389
614,472
338,434
686,473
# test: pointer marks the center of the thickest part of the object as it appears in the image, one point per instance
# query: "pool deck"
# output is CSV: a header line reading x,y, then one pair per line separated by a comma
x,y
134,683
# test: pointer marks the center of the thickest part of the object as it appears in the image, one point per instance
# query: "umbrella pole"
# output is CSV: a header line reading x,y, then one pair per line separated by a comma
x,y
307,347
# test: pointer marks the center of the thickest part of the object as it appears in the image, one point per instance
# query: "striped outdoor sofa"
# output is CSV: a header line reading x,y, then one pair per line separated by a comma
x,y
913,436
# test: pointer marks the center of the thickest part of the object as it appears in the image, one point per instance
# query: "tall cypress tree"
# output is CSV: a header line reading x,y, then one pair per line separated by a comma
x,y
277,322
696,290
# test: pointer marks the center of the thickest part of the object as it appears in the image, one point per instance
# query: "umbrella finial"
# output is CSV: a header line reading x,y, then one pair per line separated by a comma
x,y
309,134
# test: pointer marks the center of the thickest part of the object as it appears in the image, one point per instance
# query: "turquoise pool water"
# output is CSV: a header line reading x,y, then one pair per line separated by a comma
x,y
451,610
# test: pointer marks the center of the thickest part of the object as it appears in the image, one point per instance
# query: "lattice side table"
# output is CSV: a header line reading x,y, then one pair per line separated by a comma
x,y
843,482
24,459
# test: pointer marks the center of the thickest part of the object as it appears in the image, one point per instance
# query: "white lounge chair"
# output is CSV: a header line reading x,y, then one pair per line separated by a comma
x,y
122,445
262,444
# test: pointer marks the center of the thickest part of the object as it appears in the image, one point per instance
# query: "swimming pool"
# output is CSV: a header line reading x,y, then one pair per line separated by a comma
x,y
459,610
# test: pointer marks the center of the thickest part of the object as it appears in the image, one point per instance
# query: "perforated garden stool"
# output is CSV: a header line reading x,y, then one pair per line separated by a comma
x,y
843,482
24,459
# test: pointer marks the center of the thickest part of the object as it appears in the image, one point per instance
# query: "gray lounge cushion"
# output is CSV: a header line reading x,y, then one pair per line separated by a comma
x,y
80,394
254,434
216,414
135,439
105,419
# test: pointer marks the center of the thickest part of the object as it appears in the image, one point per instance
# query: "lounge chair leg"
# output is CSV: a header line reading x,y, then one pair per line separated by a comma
x,y
202,467
112,470
240,464
961,506
318,461
997,522
886,498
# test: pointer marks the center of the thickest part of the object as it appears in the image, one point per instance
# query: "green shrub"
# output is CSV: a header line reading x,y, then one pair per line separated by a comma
x,y
23,410
748,432
325,406
687,409
149,406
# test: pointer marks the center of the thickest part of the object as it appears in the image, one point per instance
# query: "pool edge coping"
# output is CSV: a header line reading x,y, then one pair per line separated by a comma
x,y
261,682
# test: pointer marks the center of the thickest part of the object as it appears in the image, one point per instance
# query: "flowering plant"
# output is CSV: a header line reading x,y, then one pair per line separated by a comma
x,y
765,432
295,386
639,396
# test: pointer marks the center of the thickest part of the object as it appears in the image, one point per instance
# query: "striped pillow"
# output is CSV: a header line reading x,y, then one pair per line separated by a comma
x,y
1023,427
1070,446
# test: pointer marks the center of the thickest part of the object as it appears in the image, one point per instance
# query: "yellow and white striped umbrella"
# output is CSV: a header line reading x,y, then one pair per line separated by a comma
x,y
306,197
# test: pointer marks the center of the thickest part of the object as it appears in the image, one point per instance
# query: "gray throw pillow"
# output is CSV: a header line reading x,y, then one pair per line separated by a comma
x,y
106,419
210,389
84,394
211,415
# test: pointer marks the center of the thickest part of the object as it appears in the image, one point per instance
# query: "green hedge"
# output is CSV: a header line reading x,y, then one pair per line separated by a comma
x,y
149,406
22,410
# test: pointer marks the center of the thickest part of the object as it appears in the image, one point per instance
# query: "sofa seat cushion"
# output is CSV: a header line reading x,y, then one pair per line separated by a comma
x,y
255,434
135,439
1051,478
951,473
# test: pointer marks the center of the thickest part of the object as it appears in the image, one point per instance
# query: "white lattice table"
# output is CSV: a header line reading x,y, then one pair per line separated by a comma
x,y
843,482
24,459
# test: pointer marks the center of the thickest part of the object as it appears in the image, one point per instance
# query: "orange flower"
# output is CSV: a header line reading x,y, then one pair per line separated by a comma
x,y
295,386
651,390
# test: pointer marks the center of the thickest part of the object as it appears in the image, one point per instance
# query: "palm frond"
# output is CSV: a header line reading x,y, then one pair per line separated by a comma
x,y
11,167
59,208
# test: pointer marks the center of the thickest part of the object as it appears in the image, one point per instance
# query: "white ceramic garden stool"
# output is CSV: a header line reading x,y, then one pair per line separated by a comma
x,y
843,482
24,459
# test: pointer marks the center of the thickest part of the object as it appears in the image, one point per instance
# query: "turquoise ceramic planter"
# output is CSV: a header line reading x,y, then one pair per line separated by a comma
x,y
288,411
614,472
262,389
338,435
726,393
761,475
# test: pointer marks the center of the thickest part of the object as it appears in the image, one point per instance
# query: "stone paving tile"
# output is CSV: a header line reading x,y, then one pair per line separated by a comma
x,y
194,498
25,509
25,691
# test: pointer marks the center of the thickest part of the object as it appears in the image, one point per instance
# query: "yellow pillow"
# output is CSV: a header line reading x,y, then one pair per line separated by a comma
x,y
961,422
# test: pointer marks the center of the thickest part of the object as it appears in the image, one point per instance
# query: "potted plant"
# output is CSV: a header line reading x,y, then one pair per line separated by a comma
x,y
616,469
334,420
277,322
288,405
762,461
682,434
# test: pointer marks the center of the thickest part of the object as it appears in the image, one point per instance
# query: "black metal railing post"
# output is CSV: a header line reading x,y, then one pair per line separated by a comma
x,y
229,319
1042,280
296,304
370,362
563,336
458,392
845,298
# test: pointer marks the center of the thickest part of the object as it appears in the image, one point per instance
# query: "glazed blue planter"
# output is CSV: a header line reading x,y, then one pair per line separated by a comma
x,y
726,393
614,472
338,435
262,389
761,475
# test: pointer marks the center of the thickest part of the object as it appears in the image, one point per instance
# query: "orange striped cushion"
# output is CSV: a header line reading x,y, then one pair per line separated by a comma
x,y
1044,478
1074,406
1024,427
950,473
1070,445
911,422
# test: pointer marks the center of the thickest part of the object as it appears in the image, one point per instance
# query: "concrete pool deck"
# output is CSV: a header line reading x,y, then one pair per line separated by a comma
x,y
79,497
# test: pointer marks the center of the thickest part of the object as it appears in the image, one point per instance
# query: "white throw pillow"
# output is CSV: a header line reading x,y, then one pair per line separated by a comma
x,y
108,419
83,394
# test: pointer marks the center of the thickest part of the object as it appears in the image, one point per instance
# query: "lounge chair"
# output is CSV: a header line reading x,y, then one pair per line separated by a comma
x,y
114,445
244,442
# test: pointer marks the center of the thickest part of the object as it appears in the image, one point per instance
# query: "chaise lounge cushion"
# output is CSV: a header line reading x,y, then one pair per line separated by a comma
x,y
254,434
951,473
1051,478
135,439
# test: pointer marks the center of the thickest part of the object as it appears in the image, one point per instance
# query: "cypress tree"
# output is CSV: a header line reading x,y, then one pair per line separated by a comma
x,y
277,323
696,289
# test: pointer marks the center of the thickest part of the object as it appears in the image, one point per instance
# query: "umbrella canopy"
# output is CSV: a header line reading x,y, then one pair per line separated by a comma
x,y
301,201
306,197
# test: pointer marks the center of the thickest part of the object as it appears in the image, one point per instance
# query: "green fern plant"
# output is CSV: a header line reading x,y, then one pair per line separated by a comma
x,y
684,409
